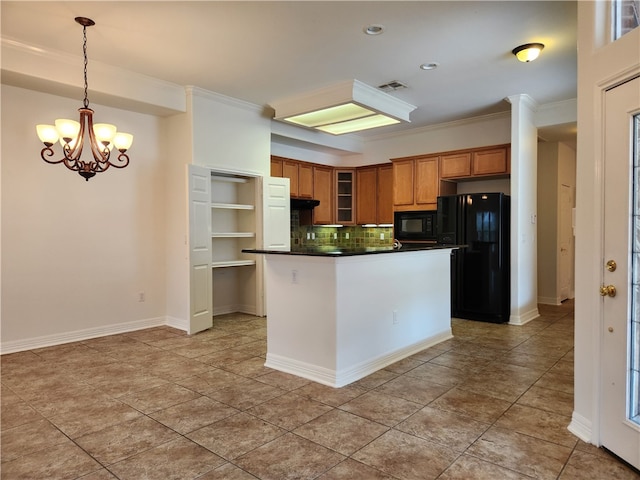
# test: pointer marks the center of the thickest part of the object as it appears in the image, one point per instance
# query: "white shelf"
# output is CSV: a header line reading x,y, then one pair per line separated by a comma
x,y
233,235
232,206
230,179
233,263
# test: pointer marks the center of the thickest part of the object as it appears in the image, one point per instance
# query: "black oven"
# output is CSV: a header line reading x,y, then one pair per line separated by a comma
x,y
416,226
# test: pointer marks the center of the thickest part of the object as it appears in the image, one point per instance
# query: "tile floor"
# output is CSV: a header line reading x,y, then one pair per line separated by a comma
x,y
492,403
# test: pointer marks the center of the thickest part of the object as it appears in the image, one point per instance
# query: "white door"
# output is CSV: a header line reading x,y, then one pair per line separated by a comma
x,y
619,428
200,258
566,241
277,218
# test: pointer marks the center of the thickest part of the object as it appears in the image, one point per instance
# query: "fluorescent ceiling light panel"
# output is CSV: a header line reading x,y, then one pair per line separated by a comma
x,y
343,108
358,124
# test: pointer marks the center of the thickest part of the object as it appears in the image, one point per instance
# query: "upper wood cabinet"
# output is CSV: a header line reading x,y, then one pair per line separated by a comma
x,y
426,182
300,175
403,184
417,183
455,165
374,199
385,194
276,167
305,180
477,162
323,190
345,188
494,161
367,199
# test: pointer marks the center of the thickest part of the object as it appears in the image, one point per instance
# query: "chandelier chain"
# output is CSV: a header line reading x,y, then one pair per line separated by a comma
x,y
84,51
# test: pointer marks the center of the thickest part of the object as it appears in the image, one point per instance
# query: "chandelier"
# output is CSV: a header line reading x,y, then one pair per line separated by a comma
x,y
102,136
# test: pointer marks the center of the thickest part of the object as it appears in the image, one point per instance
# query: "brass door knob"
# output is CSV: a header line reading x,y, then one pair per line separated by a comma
x,y
608,290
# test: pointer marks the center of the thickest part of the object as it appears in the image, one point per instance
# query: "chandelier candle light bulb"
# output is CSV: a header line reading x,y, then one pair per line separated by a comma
x,y
101,137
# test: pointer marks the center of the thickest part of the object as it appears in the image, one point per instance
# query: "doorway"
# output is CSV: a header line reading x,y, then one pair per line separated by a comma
x,y
620,368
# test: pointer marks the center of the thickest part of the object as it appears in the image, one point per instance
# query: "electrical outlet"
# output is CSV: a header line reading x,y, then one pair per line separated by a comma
x,y
395,317
308,236
335,236
313,235
346,235
382,236
141,297
294,276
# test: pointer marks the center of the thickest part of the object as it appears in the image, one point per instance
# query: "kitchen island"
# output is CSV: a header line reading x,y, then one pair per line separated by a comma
x,y
337,315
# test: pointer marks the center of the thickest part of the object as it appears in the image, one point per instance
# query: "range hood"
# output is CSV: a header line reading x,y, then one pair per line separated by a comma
x,y
303,203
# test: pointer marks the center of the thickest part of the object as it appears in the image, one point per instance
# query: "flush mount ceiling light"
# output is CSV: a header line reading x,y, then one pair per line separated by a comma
x,y
528,52
347,107
429,66
102,136
373,29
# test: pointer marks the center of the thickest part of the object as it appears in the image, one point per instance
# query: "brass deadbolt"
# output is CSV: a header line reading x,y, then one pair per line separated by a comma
x,y
612,265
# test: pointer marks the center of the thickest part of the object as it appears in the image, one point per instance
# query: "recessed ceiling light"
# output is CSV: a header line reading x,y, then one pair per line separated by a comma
x,y
373,29
429,66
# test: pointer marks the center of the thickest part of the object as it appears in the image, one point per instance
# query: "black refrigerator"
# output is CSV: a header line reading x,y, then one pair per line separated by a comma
x,y
480,271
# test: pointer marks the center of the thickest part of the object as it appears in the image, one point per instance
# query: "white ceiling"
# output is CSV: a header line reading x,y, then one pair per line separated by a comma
x,y
264,51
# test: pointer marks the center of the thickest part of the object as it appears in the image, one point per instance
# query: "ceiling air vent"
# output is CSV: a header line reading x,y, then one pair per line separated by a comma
x,y
391,86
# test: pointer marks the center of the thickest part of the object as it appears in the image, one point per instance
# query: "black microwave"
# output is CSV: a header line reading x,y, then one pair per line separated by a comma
x,y
417,226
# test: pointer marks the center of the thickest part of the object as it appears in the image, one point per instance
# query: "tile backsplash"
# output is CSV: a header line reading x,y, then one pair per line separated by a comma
x,y
346,236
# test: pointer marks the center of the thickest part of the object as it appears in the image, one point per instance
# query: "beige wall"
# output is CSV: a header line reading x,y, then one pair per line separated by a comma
x,y
76,254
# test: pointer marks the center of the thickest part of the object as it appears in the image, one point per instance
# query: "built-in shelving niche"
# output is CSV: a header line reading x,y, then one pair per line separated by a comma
x,y
233,228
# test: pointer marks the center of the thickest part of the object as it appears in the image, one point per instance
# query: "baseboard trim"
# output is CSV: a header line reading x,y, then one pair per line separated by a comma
x,y
524,318
179,323
351,374
580,427
550,300
79,335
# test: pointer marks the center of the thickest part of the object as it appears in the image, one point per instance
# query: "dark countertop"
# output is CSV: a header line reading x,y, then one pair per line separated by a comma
x,y
333,251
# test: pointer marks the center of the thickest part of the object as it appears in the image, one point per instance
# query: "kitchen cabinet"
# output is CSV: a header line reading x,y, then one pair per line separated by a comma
x,y
455,165
290,171
305,180
417,183
478,162
300,175
374,199
323,191
345,196
276,167
366,201
426,183
385,194
494,161
403,184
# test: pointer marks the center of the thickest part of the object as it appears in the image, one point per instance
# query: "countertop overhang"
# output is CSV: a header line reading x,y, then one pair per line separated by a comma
x,y
335,251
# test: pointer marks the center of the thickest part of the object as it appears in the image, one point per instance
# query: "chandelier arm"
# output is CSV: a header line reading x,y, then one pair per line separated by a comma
x,y
48,152
123,158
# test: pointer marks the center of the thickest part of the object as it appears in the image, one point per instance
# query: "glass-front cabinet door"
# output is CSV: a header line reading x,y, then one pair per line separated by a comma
x,y
345,197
